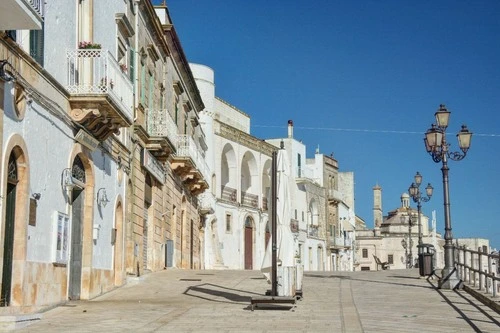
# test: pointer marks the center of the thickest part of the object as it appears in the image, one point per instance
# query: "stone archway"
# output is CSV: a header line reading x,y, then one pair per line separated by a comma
x,y
14,228
248,234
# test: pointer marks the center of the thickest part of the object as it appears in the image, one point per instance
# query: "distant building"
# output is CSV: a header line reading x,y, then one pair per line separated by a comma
x,y
394,238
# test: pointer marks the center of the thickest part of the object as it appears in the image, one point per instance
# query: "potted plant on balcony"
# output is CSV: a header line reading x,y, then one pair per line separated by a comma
x,y
88,45
123,68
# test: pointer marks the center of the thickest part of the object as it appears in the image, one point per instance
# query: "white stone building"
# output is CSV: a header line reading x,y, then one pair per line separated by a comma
x,y
308,201
237,226
63,183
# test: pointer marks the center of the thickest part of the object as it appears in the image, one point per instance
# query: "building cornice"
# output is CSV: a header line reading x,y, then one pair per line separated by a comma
x,y
242,138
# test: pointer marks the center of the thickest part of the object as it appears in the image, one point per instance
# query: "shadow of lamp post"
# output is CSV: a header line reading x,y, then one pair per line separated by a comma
x,y
437,146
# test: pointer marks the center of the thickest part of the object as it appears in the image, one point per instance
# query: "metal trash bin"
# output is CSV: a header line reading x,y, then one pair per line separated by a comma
x,y
426,259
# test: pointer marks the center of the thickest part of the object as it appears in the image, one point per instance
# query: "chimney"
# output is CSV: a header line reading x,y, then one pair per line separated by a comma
x,y
290,129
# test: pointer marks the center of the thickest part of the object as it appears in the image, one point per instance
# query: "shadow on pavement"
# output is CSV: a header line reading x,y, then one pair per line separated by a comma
x,y
211,292
468,302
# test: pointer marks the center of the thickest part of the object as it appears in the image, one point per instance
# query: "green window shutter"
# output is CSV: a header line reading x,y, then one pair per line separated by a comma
x,y
151,89
143,84
36,45
131,64
176,112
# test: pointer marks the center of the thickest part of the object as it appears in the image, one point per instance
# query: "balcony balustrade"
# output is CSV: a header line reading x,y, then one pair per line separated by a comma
x,y
339,242
305,173
249,199
163,135
228,193
264,204
101,94
206,203
335,196
312,230
189,163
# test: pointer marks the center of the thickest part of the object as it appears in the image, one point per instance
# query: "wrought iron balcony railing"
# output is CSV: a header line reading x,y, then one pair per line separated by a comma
x,y
96,72
312,230
187,148
160,123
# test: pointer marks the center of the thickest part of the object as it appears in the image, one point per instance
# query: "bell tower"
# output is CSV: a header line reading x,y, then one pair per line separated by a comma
x,y
377,206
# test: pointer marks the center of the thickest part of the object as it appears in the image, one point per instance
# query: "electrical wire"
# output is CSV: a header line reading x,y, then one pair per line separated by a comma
x,y
359,130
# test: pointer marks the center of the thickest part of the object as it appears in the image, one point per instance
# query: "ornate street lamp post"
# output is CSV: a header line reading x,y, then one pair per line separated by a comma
x,y
408,246
417,197
437,146
405,246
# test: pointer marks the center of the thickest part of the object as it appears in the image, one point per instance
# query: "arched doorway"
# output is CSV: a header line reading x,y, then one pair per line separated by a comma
x,y
117,242
248,243
77,208
10,215
320,258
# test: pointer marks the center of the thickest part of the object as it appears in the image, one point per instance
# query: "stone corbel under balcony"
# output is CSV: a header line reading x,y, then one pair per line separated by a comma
x,y
159,146
189,174
99,115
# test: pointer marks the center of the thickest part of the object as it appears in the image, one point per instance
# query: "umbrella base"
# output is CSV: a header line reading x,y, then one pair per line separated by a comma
x,y
273,300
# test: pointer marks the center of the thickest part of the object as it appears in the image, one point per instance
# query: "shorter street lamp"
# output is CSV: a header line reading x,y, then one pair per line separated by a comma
x,y
417,197
408,246
437,146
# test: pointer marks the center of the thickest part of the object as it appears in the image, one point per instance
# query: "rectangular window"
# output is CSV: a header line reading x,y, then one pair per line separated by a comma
x,y
299,164
61,223
143,84
131,72
151,90
390,259
228,222
37,45
365,253
176,115
295,214
302,216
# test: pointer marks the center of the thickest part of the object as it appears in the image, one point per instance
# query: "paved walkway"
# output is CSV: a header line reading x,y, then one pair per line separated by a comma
x,y
219,301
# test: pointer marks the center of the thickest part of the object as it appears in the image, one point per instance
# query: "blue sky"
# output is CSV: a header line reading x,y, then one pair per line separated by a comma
x,y
363,79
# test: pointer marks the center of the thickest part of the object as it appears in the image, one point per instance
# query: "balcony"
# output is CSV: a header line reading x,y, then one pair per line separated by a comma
x,y
206,203
304,174
249,199
313,230
339,243
162,131
264,204
189,164
335,196
101,94
21,14
228,193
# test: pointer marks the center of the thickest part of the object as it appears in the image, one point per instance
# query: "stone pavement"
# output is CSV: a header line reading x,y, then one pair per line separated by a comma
x,y
219,301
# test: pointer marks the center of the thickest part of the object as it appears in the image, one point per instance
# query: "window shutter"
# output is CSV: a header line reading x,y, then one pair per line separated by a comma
x,y
131,65
37,45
